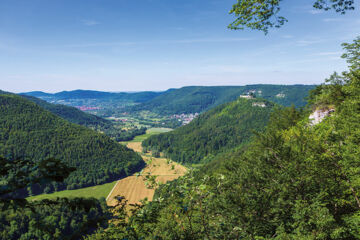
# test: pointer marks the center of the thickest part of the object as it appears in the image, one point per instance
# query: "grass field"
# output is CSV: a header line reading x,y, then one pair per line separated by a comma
x,y
149,132
98,192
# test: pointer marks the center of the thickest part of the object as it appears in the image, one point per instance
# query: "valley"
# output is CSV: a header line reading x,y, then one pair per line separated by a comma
x,y
197,174
178,120
171,108
134,187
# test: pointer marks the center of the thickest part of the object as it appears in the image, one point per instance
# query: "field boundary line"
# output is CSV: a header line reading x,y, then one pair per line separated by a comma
x,y
112,190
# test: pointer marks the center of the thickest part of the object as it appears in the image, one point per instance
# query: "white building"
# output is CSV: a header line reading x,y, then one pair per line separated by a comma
x,y
247,96
259,104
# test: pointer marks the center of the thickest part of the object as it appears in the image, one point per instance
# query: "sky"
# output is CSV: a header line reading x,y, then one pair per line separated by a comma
x,y
137,45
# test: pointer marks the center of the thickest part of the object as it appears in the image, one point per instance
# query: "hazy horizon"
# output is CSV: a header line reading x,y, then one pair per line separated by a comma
x,y
149,90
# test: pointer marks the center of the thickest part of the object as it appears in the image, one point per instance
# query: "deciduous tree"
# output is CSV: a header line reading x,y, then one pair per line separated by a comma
x,y
264,14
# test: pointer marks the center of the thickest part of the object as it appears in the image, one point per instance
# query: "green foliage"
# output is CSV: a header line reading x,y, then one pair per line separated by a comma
x,y
47,219
340,6
328,94
18,174
124,135
263,14
29,132
257,14
60,219
352,54
222,128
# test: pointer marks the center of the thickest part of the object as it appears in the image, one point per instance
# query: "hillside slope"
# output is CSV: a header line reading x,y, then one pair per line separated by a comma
x,y
71,114
28,131
199,99
224,127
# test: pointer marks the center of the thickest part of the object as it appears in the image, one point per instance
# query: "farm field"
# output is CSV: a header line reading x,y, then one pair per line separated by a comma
x,y
99,191
134,189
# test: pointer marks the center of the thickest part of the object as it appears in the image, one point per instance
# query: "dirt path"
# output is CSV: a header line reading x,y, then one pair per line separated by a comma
x,y
133,188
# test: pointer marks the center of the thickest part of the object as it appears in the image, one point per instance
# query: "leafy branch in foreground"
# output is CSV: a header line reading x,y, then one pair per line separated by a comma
x,y
263,14
19,174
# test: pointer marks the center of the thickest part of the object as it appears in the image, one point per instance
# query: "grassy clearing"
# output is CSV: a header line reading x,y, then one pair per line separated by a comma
x,y
149,132
98,192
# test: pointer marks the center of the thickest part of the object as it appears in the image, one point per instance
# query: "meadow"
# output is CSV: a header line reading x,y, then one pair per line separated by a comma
x,y
149,132
99,191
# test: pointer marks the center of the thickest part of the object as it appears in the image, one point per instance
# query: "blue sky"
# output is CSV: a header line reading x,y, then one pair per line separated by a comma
x,y
133,45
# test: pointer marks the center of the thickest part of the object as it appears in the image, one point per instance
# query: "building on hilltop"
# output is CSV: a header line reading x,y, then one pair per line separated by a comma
x,y
247,96
259,104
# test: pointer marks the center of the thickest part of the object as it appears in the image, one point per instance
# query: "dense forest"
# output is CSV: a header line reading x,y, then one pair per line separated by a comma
x,y
29,132
124,135
224,127
199,99
295,180
46,219
60,219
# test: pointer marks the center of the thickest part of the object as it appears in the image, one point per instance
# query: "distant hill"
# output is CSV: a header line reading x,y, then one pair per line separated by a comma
x,y
94,122
225,127
37,94
28,131
71,114
199,99
190,99
89,94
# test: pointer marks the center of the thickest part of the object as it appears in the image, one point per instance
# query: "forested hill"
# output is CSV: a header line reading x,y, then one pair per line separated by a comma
x,y
71,114
28,131
224,127
199,99
88,94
